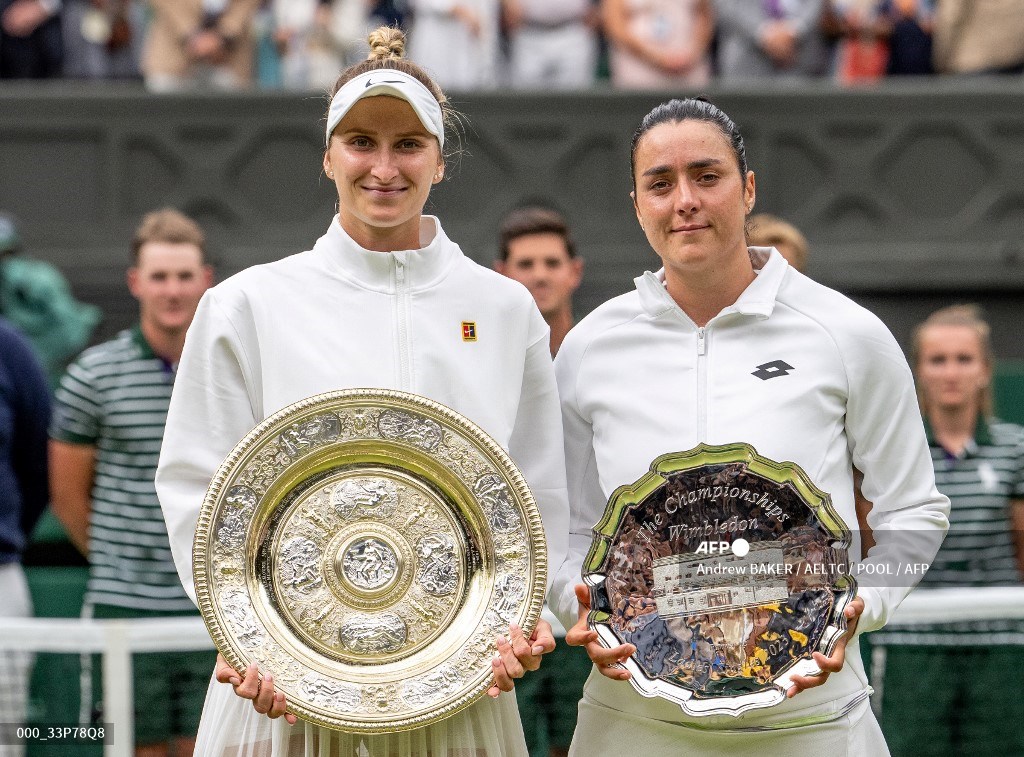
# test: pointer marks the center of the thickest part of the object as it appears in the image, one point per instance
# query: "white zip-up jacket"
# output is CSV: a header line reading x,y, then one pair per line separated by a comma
x,y
342,317
794,369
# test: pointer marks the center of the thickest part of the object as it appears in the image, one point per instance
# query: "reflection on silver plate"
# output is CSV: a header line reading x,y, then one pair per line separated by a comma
x,y
366,547
727,571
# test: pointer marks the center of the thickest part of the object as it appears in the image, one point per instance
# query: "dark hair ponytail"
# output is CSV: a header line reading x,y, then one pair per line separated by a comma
x,y
690,109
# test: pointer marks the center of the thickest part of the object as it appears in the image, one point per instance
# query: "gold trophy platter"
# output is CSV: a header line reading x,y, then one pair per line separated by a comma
x,y
366,547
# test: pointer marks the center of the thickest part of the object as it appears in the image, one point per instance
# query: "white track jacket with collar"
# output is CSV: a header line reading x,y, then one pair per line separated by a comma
x,y
794,369
342,317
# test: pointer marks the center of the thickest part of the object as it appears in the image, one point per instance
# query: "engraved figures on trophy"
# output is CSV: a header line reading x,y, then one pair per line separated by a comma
x,y
319,430
300,563
493,494
331,693
238,611
375,497
382,633
240,501
422,432
438,572
351,581
509,593
370,563
432,687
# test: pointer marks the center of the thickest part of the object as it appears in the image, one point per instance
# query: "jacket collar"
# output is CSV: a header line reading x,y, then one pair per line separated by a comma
x,y
377,271
757,300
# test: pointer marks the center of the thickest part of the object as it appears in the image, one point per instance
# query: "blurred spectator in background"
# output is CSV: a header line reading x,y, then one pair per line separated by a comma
x,y
551,45
388,13
766,230
457,41
771,38
979,37
952,688
862,30
317,38
24,415
108,424
195,44
877,38
658,44
910,43
537,250
36,298
30,39
103,38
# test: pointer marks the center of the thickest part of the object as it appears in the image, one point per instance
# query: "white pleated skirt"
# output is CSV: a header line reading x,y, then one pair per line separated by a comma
x,y
232,728
603,730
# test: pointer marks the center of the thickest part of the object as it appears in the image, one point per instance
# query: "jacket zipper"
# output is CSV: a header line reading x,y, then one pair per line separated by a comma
x,y
402,327
702,384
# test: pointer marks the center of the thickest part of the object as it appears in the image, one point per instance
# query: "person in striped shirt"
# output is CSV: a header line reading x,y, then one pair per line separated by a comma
x,y
108,423
952,688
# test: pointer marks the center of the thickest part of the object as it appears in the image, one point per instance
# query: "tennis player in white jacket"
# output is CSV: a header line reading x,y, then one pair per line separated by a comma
x,y
729,344
383,300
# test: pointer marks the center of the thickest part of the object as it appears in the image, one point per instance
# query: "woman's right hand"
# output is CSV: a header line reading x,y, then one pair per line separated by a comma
x,y
265,700
608,661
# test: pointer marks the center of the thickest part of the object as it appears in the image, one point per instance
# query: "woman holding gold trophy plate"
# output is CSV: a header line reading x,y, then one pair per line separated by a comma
x,y
728,355
384,304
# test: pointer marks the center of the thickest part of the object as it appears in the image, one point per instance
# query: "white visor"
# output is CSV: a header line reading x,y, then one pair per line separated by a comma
x,y
388,81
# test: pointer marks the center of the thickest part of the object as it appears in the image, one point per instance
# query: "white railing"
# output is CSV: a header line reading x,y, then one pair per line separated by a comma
x,y
937,605
116,640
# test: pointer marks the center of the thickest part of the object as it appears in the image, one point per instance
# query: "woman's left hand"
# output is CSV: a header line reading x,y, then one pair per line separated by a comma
x,y
517,654
833,663
265,699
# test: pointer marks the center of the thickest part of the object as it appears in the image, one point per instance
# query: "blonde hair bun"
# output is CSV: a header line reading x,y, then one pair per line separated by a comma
x,y
386,43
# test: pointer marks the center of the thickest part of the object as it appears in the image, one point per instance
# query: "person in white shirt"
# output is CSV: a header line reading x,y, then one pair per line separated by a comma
x,y
458,42
381,301
551,45
659,44
729,344
315,39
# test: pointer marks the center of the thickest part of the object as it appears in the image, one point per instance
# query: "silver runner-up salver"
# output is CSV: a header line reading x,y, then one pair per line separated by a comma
x,y
726,570
366,547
